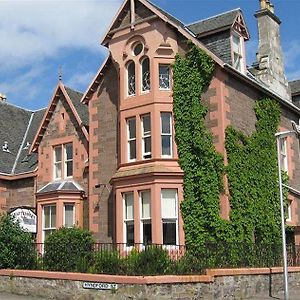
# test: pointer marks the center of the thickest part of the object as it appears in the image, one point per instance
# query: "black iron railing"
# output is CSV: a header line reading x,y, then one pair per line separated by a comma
x,y
138,259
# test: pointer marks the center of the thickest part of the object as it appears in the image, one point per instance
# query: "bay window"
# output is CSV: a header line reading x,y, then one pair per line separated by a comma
x,y
164,77
169,213
146,136
145,206
49,220
69,215
145,74
166,134
131,139
128,218
131,78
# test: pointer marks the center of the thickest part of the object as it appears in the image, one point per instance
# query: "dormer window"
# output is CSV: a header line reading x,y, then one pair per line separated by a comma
x,y
237,49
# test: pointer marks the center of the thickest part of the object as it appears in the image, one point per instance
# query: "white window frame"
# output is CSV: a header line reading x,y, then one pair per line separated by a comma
x,y
159,75
73,205
170,135
127,221
51,228
127,79
240,54
63,162
283,154
142,219
170,220
129,140
142,75
145,135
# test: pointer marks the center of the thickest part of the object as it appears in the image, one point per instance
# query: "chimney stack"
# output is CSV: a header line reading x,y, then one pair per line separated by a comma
x,y
269,67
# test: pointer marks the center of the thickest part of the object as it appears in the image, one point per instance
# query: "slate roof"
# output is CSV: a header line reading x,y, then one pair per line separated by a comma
x,y
223,20
81,108
295,86
66,186
17,127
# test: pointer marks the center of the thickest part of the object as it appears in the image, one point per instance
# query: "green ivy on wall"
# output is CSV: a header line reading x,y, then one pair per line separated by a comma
x,y
251,171
202,165
253,178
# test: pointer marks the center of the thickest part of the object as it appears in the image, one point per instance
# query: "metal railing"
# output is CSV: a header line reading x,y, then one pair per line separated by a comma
x,y
139,259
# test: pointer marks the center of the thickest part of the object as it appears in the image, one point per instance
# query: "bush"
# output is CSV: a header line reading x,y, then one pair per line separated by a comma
x,y
17,249
154,260
107,262
69,250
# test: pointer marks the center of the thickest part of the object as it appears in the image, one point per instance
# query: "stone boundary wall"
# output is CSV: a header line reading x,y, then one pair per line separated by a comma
x,y
254,283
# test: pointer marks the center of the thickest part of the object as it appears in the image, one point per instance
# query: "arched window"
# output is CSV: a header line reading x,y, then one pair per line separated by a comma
x,y
131,78
145,74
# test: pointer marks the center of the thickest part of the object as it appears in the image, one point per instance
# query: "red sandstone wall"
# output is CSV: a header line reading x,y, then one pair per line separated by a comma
x,y
103,153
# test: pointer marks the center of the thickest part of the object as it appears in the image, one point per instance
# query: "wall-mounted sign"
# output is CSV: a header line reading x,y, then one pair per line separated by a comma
x,y
26,218
100,286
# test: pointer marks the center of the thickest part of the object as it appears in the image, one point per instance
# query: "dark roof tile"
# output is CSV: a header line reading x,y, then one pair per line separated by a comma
x,y
81,108
223,20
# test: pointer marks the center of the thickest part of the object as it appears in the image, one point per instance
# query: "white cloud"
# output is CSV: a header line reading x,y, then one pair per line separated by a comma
x,y
31,31
80,79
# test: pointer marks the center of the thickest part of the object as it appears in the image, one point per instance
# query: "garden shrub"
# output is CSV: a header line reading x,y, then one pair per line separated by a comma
x,y
69,250
107,262
153,260
17,249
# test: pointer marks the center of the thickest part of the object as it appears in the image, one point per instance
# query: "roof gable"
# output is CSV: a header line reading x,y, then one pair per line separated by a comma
x,y
73,103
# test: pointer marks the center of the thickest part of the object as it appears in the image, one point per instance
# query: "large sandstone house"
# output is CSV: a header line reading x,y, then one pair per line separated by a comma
x,y
107,160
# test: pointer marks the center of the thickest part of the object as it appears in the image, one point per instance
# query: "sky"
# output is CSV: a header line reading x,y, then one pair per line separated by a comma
x,y
40,37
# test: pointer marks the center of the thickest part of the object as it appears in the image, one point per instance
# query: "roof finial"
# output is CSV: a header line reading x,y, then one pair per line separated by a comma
x,y
60,73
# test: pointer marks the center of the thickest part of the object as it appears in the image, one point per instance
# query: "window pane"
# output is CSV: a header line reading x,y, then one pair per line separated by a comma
x,y
132,128
169,233
147,145
146,207
53,216
166,145
132,149
128,206
169,207
146,124
130,234
147,233
166,123
69,151
69,165
145,75
131,78
69,215
57,154
57,167
164,76
46,216
236,44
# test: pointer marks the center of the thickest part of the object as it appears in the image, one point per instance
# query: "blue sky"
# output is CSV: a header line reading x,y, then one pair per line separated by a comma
x,y
39,36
